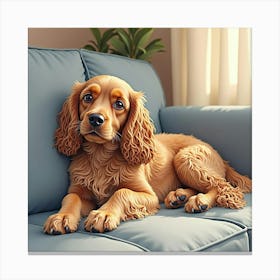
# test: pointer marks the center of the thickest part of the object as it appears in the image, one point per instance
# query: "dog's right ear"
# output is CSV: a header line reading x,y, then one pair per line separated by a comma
x,y
67,137
138,145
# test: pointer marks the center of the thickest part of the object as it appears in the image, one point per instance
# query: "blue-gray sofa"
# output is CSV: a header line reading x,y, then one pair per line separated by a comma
x,y
51,74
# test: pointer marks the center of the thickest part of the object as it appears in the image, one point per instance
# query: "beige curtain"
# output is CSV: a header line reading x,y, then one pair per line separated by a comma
x,y
211,66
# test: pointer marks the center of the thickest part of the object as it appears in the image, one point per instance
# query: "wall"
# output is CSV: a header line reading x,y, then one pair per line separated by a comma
x,y
78,37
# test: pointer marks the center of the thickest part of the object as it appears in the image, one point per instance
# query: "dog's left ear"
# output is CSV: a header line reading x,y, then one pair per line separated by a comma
x,y
137,143
67,138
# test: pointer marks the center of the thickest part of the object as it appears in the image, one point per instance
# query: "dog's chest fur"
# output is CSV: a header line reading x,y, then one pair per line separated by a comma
x,y
99,171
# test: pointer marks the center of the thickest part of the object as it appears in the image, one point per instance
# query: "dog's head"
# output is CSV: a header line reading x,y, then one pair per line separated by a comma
x,y
106,109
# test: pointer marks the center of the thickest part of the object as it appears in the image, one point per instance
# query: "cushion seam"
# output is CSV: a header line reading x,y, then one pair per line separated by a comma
x,y
226,220
220,240
106,236
52,49
85,65
244,227
117,239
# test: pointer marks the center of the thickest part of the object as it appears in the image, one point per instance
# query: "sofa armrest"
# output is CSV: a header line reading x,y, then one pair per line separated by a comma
x,y
227,128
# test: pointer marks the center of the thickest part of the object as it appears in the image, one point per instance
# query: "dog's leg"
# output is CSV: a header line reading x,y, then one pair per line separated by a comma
x,y
221,194
69,215
124,204
200,167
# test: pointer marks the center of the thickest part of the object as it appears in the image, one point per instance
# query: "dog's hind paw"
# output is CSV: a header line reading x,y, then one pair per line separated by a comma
x,y
178,198
198,203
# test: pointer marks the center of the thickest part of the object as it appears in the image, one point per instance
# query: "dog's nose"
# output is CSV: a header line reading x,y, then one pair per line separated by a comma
x,y
96,120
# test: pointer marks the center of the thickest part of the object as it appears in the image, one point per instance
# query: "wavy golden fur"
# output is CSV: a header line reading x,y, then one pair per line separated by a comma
x,y
121,170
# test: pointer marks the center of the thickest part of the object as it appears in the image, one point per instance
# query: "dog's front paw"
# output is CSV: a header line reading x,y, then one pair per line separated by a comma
x,y
61,223
101,221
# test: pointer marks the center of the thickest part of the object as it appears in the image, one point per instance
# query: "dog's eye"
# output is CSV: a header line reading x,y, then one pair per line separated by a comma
x,y
88,98
118,105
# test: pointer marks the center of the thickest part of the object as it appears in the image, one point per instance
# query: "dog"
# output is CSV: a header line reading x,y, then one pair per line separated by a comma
x,y
121,170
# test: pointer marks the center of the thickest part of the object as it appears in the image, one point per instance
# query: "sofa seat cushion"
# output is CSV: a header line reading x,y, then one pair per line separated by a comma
x,y
221,230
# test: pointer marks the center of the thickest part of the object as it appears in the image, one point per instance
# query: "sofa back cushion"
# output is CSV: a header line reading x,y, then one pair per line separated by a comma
x,y
227,128
51,74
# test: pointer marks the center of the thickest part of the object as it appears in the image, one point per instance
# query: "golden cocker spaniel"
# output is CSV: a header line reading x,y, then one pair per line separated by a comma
x,y
121,170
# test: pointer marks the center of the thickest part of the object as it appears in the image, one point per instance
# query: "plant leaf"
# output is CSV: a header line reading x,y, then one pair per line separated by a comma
x,y
104,48
119,47
124,36
143,50
154,47
97,35
132,31
141,39
143,36
89,47
108,34
155,44
148,54
94,44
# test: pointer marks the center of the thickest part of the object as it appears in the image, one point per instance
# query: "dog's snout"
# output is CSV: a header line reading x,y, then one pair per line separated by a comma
x,y
96,120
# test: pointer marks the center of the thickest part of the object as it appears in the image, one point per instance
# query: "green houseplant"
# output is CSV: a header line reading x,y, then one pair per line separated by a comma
x,y
131,42
101,41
